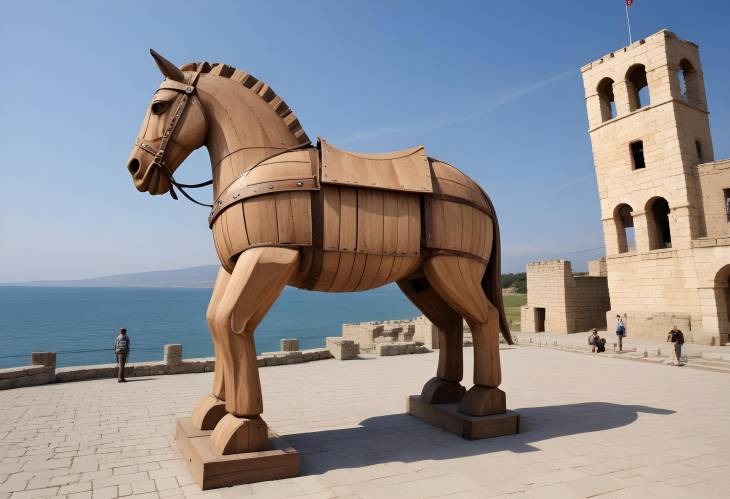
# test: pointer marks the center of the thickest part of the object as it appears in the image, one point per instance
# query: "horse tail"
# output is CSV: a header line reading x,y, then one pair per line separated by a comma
x,y
492,280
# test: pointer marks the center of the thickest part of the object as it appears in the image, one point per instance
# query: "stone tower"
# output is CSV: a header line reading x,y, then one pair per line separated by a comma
x,y
663,211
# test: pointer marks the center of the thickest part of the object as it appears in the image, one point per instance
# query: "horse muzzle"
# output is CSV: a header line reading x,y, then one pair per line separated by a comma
x,y
147,178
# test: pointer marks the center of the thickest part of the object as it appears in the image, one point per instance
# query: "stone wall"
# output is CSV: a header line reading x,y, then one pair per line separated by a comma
x,y
43,367
571,303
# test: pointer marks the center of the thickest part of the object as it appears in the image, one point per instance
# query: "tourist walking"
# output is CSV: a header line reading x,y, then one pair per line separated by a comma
x,y
676,337
620,332
121,349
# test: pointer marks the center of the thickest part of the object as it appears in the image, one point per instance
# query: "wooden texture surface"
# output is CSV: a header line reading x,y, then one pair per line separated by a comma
x,y
406,170
373,219
212,470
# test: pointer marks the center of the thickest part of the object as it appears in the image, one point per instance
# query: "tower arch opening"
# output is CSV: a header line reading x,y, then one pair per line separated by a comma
x,y
689,84
606,99
638,87
624,222
657,214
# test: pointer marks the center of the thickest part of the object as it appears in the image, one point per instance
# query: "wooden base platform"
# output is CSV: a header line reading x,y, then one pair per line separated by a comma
x,y
212,470
448,417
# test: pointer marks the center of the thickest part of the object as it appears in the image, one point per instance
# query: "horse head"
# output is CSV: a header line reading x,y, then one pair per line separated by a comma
x,y
174,126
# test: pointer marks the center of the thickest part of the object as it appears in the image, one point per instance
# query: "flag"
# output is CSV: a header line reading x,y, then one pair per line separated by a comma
x,y
629,3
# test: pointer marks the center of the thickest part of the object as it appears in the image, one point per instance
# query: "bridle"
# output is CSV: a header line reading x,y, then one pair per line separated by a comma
x,y
187,90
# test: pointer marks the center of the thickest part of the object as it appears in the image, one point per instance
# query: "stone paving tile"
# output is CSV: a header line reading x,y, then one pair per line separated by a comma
x,y
594,427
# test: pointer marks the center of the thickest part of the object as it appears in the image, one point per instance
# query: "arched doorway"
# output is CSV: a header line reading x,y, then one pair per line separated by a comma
x,y
722,301
657,214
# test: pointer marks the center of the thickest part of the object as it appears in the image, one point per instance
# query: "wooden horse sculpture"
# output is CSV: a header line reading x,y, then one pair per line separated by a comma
x,y
320,218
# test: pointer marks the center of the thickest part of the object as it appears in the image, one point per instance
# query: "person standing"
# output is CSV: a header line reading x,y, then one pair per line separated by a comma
x,y
676,337
121,349
620,332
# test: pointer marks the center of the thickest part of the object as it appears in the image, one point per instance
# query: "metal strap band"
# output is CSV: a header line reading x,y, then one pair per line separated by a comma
x,y
233,196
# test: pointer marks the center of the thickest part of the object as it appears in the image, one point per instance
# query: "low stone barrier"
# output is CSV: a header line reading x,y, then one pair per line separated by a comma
x,y
43,366
41,370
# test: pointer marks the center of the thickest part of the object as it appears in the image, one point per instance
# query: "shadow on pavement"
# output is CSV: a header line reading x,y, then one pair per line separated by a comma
x,y
400,437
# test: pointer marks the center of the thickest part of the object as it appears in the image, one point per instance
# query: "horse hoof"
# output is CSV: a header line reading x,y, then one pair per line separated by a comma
x,y
234,435
483,401
440,391
208,412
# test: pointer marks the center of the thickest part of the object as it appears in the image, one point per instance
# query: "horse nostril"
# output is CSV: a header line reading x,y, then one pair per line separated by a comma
x,y
133,166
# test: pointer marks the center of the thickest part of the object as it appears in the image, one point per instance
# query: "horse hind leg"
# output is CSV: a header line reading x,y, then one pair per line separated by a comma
x,y
446,385
211,408
458,281
257,280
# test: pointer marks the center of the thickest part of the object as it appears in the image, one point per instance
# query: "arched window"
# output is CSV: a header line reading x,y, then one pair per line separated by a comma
x,y
689,84
624,228
657,214
637,86
698,147
606,100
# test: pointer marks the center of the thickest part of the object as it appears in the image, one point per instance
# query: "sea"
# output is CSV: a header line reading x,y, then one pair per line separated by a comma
x,y
80,324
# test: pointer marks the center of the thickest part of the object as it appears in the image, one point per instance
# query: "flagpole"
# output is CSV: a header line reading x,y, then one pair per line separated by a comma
x,y
628,21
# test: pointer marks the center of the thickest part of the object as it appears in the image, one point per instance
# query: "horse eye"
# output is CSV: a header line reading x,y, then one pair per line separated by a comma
x,y
159,107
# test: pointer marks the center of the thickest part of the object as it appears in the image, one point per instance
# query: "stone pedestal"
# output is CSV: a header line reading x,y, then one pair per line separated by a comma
x,y
173,354
213,470
47,359
448,418
341,348
289,344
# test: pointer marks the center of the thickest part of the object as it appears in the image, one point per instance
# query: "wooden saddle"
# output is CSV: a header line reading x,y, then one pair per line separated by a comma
x,y
303,170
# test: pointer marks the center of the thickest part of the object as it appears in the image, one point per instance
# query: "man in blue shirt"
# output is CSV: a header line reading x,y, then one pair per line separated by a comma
x,y
121,349
620,332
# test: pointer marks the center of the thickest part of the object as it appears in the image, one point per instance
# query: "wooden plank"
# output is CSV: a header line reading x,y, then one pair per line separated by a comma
x,y
390,222
370,221
467,234
284,218
301,203
236,225
331,218
384,272
452,226
358,266
414,225
330,263
344,270
370,272
348,219
402,245
261,223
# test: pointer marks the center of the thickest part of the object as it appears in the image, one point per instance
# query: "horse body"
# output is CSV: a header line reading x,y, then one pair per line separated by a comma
x,y
279,218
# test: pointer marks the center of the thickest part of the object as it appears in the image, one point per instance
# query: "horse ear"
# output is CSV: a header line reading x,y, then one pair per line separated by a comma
x,y
167,68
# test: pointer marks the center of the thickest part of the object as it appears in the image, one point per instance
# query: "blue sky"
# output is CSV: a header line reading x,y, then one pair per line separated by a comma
x,y
492,87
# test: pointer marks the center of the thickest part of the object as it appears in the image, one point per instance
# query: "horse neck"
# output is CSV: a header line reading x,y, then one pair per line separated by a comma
x,y
242,129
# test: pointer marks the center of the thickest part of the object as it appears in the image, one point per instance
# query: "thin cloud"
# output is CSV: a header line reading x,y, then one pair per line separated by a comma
x,y
573,182
501,101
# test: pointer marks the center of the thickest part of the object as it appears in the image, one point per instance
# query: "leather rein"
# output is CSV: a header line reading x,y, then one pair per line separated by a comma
x,y
187,91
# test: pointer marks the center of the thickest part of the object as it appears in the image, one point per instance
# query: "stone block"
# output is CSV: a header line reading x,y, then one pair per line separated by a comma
x,y
47,359
310,355
13,372
148,369
341,348
173,354
187,367
289,344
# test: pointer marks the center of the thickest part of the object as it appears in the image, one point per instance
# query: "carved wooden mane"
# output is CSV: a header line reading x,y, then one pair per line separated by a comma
x,y
231,153
258,87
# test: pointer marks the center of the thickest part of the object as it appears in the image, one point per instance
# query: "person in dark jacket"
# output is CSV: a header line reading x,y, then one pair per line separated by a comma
x,y
676,337
121,349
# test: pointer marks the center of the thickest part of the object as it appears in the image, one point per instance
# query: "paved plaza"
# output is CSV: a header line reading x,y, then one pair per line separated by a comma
x,y
594,427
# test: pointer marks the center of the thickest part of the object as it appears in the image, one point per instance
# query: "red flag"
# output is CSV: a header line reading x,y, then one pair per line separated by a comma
x,y
629,3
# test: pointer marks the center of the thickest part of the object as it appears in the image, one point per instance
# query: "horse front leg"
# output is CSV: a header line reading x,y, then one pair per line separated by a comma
x,y
257,280
211,408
